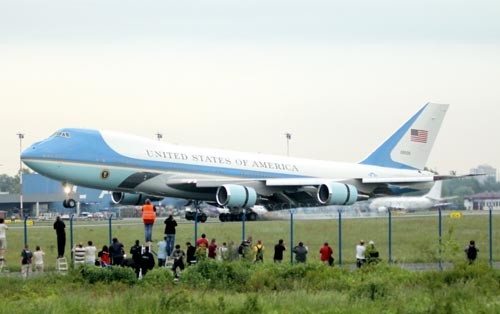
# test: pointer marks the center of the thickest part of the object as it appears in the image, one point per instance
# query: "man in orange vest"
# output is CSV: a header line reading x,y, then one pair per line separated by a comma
x,y
148,217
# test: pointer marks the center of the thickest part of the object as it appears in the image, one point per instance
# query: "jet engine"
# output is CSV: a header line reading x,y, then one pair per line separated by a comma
x,y
131,198
231,195
334,193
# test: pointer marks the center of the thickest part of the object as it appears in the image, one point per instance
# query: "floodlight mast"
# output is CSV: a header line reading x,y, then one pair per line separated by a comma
x,y
21,137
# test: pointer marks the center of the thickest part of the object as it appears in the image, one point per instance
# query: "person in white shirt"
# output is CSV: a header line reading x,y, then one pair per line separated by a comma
x,y
3,238
90,251
360,253
222,252
38,259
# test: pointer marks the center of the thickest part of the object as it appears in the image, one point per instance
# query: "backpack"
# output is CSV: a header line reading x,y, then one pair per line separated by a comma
x,y
472,253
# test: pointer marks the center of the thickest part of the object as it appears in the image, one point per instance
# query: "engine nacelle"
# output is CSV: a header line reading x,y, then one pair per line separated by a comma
x,y
131,198
231,195
334,193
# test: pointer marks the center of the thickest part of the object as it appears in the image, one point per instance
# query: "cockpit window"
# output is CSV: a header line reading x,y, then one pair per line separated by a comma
x,y
61,134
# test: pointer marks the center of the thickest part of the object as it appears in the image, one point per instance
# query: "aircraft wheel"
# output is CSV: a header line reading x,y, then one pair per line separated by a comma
x,y
202,217
222,217
189,216
65,203
252,216
236,217
71,203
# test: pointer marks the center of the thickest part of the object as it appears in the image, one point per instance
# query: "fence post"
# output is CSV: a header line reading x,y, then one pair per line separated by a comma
x,y
25,230
243,220
390,234
71,237
291,237
195,227
440,232
491,235
110,232
340,237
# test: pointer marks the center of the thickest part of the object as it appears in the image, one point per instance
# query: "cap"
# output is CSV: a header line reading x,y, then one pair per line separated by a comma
x,y
371,242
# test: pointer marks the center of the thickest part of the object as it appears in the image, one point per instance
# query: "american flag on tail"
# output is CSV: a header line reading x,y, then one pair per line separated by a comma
x,y
419,135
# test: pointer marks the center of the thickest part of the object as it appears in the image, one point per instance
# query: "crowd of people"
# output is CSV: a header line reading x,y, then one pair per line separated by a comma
x,y
172,255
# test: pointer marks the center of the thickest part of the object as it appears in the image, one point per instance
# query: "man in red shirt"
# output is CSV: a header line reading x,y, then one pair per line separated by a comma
x,y
202,245
326,253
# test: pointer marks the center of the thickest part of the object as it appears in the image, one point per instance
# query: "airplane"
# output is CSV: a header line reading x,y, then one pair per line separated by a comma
x,y
431,200
135,168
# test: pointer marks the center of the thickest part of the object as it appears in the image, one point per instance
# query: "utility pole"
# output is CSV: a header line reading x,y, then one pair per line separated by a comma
x,y
288,138
21,213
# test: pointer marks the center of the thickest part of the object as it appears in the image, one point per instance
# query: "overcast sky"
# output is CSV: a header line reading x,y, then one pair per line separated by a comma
x,y
340,76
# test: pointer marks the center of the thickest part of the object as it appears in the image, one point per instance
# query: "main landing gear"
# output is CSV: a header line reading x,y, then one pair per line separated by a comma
x,y
249,216
191,215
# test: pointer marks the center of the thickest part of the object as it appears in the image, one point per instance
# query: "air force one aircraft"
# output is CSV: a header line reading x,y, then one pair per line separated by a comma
x,y
135,168
431,200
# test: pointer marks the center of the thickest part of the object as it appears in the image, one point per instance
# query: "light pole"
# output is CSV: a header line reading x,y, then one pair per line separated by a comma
x,y
21,136
288,138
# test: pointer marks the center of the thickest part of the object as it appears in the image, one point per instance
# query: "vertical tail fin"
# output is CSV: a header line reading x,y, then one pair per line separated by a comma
x,y
435,192
409,147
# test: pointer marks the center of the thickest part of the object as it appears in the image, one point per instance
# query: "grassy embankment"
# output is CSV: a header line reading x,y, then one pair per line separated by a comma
x,y
242,287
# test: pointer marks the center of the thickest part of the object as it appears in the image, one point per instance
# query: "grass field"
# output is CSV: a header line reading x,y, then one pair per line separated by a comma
x,y
244,287
414,239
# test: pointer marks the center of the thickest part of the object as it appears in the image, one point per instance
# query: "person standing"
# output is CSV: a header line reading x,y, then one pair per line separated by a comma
x,y
147,261
223,253
61,236
170,225
212,249
360,254
191,254
116,252
38,259
202,246
3,239
162,252
136,251
26,257
90,251
371,253
148,218
471,251
258,251
278,251
326,254
300,253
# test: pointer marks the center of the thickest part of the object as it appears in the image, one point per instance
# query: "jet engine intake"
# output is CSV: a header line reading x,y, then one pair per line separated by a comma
x,y
334,193
131,198
231,195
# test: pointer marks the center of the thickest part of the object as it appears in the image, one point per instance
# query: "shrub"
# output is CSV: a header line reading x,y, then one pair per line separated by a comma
x,y
109,274
161,277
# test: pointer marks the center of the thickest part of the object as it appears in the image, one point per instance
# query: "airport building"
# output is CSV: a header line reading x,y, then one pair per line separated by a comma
x,y
482,201
42,196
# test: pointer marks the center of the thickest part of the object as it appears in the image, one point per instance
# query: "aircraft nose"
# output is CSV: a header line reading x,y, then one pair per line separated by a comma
x,y
30,152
